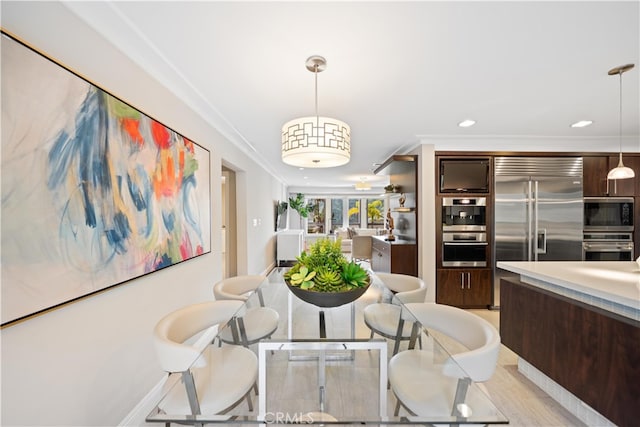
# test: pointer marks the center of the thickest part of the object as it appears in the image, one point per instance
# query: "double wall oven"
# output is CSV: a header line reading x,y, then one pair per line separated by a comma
x,y
608,229
464,232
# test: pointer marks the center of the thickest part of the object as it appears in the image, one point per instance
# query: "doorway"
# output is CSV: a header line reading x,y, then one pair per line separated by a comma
x,y
229,224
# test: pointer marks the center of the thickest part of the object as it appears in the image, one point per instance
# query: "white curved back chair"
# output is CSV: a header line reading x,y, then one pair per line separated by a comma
x,y
413,375
256,323
389,319
361,248
215,378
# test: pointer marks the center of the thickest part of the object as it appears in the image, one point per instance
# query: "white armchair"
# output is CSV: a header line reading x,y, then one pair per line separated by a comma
x,y
410,371
257,322
388,319
361,248
214,379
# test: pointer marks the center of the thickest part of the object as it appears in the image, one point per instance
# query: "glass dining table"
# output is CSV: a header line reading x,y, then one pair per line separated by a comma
x,y
322,366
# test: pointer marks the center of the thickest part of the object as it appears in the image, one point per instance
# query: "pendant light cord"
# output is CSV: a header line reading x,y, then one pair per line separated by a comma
x,y
620,123
317,116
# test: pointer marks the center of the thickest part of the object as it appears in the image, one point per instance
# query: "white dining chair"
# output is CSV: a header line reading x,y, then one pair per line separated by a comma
x,y
214,379
361,248
254,324
427,388
388,319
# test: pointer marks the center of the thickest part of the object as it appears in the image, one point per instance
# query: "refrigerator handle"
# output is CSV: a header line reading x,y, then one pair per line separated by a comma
x,y
530,220
536,233
541,241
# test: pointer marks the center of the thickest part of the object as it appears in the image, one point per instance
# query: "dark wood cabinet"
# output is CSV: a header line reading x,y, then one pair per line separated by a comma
x,y
398,257
625,187
464,287
594,175
591,352
596,168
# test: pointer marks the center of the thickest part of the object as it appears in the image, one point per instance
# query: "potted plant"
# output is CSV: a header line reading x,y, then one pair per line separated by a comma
x,y
324,277
392,188
299,206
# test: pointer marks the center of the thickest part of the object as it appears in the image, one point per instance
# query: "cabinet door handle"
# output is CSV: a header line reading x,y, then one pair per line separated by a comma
x,y
461,280
468,280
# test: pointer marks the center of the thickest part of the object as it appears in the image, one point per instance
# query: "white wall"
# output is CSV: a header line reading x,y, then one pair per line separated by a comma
x,y
427,218
89,362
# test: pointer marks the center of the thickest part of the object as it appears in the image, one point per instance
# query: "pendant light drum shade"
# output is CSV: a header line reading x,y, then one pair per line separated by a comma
x,y
316,142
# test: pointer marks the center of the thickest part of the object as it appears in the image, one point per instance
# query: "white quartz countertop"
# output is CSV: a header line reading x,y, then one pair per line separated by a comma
x,y
614,281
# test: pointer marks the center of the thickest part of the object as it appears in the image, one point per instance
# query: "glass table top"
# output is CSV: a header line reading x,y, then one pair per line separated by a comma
x,y
321,366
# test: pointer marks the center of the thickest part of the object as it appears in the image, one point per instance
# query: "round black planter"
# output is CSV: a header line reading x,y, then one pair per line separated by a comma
x,y
328,299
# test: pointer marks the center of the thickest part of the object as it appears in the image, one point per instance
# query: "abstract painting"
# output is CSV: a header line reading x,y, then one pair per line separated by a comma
x,y
94,192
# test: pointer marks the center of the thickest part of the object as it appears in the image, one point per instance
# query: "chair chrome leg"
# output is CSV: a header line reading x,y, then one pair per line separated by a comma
x,y
249,401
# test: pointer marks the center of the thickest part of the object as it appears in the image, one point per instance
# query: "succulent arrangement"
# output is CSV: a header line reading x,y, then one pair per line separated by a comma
x,y
325,269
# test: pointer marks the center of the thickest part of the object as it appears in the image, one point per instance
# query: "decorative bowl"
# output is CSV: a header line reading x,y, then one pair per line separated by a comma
x,y
328,299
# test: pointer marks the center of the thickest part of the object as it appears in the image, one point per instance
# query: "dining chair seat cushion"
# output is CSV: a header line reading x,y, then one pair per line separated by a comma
x,y
228,374
259,323
384,318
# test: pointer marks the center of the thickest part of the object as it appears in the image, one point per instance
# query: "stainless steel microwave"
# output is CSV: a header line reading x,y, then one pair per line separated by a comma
x,y
608,213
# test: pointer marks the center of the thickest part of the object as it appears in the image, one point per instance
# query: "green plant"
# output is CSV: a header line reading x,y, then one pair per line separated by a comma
x,y
354,276
325,269
374,210
299,205
303,278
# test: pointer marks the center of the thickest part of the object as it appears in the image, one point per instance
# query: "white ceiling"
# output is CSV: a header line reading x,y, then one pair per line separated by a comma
x,y
399,73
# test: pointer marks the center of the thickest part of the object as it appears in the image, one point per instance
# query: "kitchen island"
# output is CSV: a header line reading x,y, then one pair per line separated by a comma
x,y
576,327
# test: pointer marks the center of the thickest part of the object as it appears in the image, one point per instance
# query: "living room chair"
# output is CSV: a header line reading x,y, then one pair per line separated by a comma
x,y
254,324
389,319
411,370
214,379
361,248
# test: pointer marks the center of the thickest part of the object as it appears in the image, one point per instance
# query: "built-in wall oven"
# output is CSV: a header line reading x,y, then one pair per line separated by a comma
x,y
464,237
608,229
463,249
607,246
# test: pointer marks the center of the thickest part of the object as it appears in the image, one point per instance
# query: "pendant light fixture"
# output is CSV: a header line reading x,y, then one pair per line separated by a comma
x,y
620,171
316,142
363,185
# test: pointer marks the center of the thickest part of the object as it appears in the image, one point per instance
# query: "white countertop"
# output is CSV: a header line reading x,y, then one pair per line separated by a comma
x,y
613,281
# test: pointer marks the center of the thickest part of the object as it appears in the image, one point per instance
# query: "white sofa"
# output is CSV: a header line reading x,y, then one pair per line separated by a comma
x,y
343,234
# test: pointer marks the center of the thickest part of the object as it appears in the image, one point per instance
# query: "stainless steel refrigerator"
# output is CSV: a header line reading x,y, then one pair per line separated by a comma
x,y
538,212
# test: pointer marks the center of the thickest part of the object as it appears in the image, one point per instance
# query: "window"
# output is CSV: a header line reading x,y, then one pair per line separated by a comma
x,y
317,213
336,214
375,213
354,213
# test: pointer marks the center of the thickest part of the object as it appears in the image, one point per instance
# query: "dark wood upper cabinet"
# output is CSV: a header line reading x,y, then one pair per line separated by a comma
x,y
625,187
594,173
595,170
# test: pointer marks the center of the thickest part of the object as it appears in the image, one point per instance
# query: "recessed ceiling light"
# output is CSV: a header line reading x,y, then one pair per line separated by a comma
x,y
301,169
466,123
306,177
582,124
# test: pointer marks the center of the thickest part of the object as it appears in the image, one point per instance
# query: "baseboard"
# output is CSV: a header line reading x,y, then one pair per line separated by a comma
x,y
138,415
